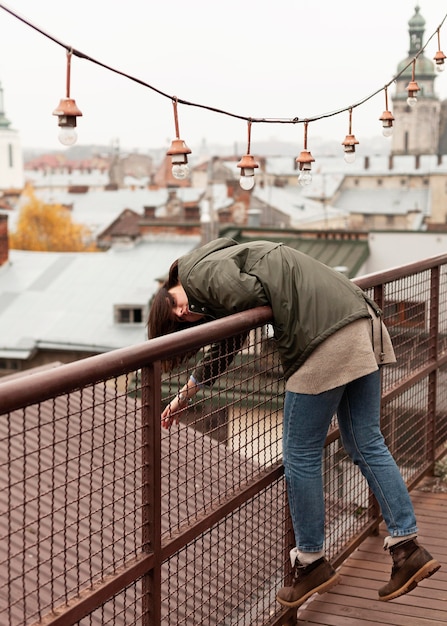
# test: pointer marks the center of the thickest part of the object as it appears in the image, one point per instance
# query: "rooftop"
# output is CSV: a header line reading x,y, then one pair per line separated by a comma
x,y
68,300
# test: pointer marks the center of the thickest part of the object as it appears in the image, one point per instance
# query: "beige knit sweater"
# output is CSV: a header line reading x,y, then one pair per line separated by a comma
x,y
346,355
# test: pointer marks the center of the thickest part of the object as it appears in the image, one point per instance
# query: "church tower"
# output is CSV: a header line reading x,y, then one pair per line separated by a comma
x,y
416,128
11,157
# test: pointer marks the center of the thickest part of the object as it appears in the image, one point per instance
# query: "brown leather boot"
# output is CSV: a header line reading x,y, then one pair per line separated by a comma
x,y
317,577
411,564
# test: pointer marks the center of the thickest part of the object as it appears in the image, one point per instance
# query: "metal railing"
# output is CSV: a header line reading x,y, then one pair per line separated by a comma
x,y
106,518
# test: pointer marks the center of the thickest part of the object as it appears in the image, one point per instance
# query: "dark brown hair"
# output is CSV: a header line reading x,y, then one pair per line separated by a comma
x,y
161,321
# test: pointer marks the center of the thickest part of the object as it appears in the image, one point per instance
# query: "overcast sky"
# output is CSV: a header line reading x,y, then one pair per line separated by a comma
x,y
280,60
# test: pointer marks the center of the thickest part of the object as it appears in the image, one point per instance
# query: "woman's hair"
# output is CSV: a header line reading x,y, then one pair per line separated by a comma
x,y
161,320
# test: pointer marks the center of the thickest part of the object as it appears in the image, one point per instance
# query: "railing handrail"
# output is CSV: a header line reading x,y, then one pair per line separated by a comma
x,y
394,273
38,387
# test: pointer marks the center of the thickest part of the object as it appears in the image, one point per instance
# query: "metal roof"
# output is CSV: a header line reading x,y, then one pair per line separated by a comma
x,y
97,209
67,300
385,201
345,255
293,202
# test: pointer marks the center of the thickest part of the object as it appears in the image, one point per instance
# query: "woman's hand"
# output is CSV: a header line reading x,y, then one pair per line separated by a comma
x,y
172,412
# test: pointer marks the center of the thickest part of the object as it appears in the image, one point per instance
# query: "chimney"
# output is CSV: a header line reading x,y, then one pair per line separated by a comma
x,y
206,223
366,162
4,244
231,188
254,218
149,212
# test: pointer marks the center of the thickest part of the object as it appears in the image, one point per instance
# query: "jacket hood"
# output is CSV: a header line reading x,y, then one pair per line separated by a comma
x,y
194,257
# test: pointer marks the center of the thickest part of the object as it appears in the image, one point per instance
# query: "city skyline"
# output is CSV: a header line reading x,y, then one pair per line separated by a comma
x,y
283,62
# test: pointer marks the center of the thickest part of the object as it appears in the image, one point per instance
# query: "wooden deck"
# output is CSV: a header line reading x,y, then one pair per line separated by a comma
x,y
354,601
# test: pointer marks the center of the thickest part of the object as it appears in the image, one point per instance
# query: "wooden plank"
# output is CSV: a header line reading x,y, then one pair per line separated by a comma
x,y
336,615
355,600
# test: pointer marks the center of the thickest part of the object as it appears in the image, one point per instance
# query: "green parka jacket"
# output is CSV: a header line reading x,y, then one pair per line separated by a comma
x,y
309,300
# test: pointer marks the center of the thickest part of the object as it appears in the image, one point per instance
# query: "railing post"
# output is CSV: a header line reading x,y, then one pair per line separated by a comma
x,y
289,617
379,297
433,354
151,490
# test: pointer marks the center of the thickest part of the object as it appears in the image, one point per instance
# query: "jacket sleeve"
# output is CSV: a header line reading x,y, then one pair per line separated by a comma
x,y
217,359
219,288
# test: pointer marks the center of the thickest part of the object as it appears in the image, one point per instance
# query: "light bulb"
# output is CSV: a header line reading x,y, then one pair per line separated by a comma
x,y
349,147
305,178
180,171
439,59
247,165
247,182
67,135
387,131
411,101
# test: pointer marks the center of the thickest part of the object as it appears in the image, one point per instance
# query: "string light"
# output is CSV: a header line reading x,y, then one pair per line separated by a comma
x,y
412,87
387,118
67,112
305,160
178,151
350,142
439,57
247,164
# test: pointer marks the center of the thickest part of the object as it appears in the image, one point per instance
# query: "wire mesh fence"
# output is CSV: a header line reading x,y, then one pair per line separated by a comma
x,y
107,518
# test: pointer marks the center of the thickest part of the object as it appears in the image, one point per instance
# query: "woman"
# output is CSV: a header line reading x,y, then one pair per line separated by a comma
x,y
331,342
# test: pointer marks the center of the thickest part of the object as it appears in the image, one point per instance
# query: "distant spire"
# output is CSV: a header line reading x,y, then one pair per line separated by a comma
x,y
4,122
416,30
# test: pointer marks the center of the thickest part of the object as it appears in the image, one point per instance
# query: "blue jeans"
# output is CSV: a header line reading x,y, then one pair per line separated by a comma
x,y
306,422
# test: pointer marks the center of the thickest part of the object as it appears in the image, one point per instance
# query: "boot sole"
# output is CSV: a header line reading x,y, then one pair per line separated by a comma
x,y
328,584
425,572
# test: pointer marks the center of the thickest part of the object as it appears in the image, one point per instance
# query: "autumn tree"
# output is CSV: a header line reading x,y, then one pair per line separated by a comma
x,y
50,228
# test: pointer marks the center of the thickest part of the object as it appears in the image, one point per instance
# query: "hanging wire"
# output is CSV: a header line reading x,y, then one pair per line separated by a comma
x,y
306,124
67,89
263,120
177,131
248,135
350,122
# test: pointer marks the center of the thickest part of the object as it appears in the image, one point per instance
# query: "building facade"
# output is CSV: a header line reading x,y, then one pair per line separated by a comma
x,y
11,158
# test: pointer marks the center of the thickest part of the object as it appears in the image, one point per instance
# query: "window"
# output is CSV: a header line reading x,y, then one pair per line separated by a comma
x,y
9,365
129,314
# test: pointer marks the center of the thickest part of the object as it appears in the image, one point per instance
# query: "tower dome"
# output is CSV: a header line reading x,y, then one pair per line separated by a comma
x,y
424,67
417,21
